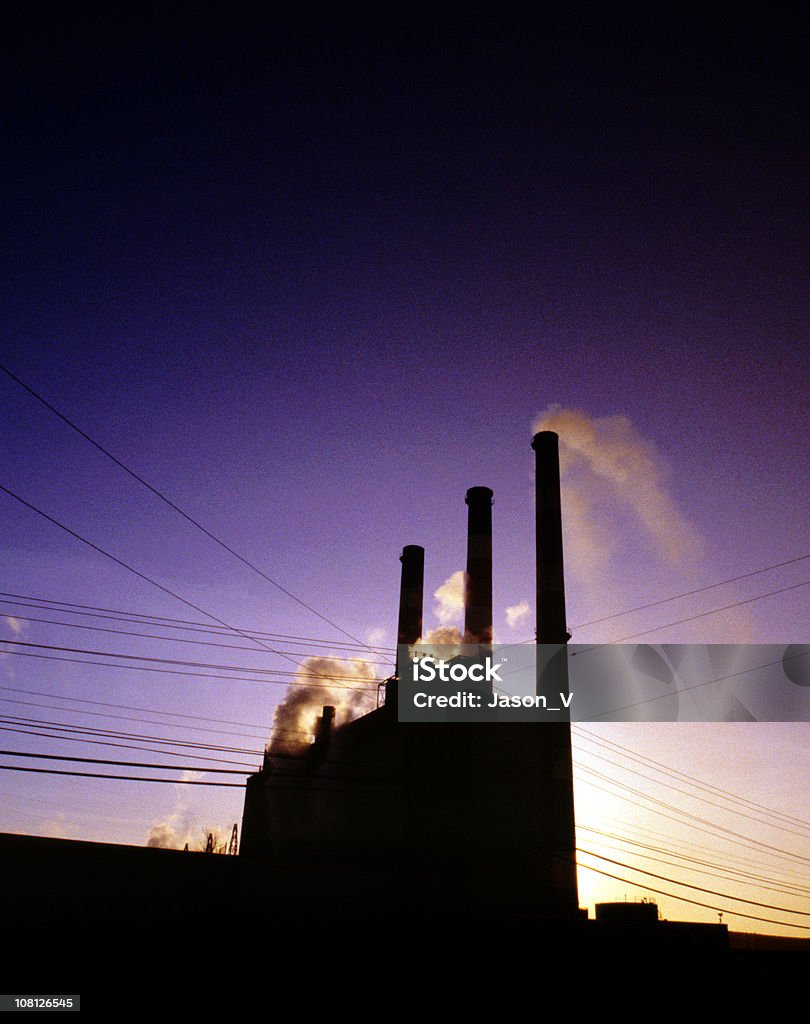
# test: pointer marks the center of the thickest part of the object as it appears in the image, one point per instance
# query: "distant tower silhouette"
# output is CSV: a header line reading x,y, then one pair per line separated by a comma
x,y
478,578
552,636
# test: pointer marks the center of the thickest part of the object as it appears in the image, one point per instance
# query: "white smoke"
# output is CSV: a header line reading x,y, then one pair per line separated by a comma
x,y
168,835
450,598
15,626
444,642
347,685
614,485
516,613
174,831
375,637
610,451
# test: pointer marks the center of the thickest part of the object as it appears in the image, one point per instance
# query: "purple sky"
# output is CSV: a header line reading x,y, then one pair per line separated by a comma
x,y
312,282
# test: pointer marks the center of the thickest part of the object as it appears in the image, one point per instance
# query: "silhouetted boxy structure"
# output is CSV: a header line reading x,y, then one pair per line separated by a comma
x,y
473,818
440,841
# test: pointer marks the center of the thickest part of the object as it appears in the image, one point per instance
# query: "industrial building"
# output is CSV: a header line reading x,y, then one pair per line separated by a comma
x,y
476,819
453,841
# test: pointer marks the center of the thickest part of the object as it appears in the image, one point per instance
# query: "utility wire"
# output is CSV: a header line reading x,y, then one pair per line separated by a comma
x,y
79,734
728,834
120,778
697,888
127,764
148,579
796,879
703,615
180,672
695,796
124,707
106,715
696,864
165,622
129,568
690,593
683,899
699,783
175,507
170,639
326,680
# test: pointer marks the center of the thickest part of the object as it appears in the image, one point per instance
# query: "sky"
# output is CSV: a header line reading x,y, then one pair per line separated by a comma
x,y
311,279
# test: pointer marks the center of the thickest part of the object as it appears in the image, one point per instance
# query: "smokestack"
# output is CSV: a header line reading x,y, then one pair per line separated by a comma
x,y
551,626
411,590
478,580
320,745
559,839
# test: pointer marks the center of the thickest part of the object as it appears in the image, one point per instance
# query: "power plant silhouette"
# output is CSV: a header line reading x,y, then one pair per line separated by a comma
x,y
476,819
451,840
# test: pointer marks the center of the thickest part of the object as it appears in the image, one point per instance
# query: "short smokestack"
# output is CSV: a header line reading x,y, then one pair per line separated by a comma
x,y
478,579
551,625
411,591
323,729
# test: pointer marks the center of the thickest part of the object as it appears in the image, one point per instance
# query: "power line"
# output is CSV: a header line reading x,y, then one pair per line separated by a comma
x,y
126,764
666,769
703,615
180,672
141,575
683,899
169,639
326,680
124,707
108,738
165,622
697,888
690,593
175,507
129,718
691,818
137,573
694,686
120,778
695,796
698,864
375,784
796,879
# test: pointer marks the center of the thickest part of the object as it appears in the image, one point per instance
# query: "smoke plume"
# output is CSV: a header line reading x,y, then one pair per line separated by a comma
x,y
450,598
610,451
444,642
174,831
349,686
516,613
167,836
615,486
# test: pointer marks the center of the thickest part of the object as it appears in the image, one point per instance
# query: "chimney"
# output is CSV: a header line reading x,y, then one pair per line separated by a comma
x,y
411,589
551,626
559,838
320,745
478,580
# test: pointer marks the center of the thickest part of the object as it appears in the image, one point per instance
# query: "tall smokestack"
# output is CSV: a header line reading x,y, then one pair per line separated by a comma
x,y
411,590
551,626
559,840
478,580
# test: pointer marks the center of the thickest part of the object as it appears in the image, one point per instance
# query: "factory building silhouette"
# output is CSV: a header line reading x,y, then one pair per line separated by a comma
x,y
477,818
456,837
